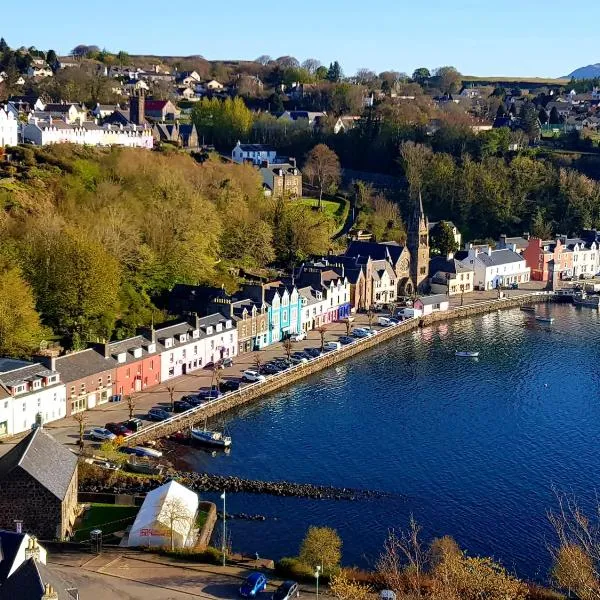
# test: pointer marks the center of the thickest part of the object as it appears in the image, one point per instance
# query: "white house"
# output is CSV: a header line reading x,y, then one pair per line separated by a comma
x,y
168,511
39,71
586,257
30,394
495,268
310,117
426,305
384,286
8,128
187,347
213,84
315,305
55,131
256,153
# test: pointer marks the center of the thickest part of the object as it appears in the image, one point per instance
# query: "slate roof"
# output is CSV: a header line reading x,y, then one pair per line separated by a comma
x,y
381,266
520,242
29,372
10,542
382,251
44,459
28,581
79,365
130,344
446,265
434,299
499,257
257,148
59,108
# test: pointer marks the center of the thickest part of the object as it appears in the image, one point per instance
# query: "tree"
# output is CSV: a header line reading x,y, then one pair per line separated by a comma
x,y
176,512
348,325
448,79
554,116
257,360
311,65
264,60
321,546
81,421
344,589
540,228
543,116
365,76
421,75
288,62
370,316
415,159
334,74
322,331
442,239
51,58
20,329
131,404
321,72
288,346
323,167
276,103
3,46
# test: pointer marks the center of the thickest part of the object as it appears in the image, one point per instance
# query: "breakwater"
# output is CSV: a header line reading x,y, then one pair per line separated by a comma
x,y
205,482
252,392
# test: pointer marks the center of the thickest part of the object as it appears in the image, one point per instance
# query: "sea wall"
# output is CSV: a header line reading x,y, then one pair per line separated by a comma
x,y
252,392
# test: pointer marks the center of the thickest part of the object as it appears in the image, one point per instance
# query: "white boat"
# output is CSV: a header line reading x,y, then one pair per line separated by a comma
x,y
144,451
468,354
545,319
214,439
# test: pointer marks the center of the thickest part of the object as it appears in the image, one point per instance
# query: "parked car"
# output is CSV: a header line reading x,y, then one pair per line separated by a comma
x,y
158,414
298,337
118,429
282,363
300,354
269,369
329,346
252,376
134,424
384,321
254,584
229,385
296,360
102,434
514,286
358,332
180,406
224,363
286,591
211,393
194,400
312,352
346,339
190,398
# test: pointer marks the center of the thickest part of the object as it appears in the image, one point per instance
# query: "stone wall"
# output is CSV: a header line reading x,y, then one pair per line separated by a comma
x,y
252,392
22,497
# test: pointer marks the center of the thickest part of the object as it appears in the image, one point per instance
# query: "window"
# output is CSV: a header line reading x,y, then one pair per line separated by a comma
x,y
423,270
24,407
171,357
82,388
196,348
127,374
6,404
108,379
72,390
183,353
171,371
100,381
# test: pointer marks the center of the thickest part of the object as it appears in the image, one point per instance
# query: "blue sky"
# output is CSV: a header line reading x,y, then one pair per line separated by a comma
x,y
519,37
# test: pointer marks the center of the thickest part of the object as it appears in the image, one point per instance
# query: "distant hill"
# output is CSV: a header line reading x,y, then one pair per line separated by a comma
x,y
588,72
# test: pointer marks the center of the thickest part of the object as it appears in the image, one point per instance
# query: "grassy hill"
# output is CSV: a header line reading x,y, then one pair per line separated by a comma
x,y
518,81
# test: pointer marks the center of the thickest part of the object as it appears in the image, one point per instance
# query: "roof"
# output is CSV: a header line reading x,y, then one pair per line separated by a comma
x,y
44,459
81,364
256,147
446,265
30,371
520,242
130,344
377,251
59,108
155,104
10,542
434,299
380,267
29,580
499,257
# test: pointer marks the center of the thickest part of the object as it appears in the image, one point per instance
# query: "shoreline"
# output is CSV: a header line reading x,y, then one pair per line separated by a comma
x,y
274,383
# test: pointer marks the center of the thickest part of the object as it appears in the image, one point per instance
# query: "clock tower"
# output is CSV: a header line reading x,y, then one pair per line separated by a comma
x,y
418,246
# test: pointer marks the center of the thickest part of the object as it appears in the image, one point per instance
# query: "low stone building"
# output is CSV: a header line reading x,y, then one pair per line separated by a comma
x,y
38,479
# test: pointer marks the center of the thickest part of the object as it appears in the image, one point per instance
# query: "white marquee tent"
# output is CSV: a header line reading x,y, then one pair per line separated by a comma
x,y
170,505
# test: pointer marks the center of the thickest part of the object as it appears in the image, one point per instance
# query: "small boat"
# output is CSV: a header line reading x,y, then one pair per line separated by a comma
x,y
545,319
151,452
583,299
468,354
528,308
214,439
144,466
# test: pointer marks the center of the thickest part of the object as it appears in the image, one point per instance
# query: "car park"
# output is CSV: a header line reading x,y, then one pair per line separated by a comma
x,y
286,591
134,424
102,434
118,429
180,406
158,414
253,585
252,376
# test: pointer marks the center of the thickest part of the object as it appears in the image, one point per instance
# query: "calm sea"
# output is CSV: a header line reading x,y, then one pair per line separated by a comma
x,y
473,448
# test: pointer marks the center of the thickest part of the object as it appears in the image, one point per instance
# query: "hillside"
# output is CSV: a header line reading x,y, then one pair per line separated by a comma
x,y
589,72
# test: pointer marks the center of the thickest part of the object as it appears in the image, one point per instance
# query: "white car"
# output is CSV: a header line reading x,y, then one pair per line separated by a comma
x,y
332,346
253,376
101,434
298,337
384,321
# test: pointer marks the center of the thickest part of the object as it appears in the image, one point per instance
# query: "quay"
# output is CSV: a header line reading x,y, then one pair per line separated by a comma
x,y
273,383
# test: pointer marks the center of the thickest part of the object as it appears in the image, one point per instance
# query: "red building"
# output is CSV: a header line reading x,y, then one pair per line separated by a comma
x,y
546,257
136,363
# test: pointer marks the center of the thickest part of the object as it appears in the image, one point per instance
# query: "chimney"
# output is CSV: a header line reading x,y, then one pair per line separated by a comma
x,y
18,525
489,250
49,593
292,161
503,240
106,350
526,235
32,550
137,108
48,360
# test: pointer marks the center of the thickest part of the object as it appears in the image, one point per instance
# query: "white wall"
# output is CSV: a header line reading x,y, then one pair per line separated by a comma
x,y
8,128
51,402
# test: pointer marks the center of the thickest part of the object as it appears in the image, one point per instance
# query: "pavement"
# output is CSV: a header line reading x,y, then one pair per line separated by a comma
x,y
135,576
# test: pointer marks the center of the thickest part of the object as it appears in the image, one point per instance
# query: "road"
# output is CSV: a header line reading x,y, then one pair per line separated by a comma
x,y
130,576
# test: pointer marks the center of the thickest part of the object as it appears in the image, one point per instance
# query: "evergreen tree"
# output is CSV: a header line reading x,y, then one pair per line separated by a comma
x,y
554,116
335,72
543,116
3,46
51,58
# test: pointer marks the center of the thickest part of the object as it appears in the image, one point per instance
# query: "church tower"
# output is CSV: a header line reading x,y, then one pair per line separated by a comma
x,y
418,246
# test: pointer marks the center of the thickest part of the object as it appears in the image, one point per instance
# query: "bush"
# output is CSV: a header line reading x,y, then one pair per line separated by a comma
x,y
293,568
211,556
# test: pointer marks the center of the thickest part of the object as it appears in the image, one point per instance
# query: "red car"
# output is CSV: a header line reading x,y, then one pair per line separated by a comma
x,y
118,429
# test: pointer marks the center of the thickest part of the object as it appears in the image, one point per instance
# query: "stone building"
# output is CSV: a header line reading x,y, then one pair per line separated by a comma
x,y
418,246
38,479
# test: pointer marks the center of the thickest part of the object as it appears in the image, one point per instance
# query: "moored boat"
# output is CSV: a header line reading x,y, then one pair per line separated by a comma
x,y
545,319
467,354
582,299
144,466
214,439
151,452
528,308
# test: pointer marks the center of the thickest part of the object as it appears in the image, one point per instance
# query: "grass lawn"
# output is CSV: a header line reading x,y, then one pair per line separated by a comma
x,y
201,518
107,517
333,208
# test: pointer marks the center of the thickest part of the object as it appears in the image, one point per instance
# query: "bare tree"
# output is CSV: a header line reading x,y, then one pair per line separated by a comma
x,y
311,65
415,160
322,331
176,512
348,325
81,419
343,588
264,60
257,361
288,346
323,168
171,390
216,376
131,404
370,317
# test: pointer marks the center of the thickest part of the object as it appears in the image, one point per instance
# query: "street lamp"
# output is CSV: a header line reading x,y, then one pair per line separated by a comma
x,y
317,573
223,547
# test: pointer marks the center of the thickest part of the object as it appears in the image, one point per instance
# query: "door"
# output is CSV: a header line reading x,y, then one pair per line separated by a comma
x,y
183,368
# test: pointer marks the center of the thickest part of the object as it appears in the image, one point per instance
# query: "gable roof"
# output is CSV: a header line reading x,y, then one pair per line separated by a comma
x,y
81,364
434,299
44,459
29,580
499,257
10,542
377,251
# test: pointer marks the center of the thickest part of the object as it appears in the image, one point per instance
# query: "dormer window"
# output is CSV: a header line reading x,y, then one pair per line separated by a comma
x,y
229,324
151,348
168,342
195,334
137,353
19,389
37,384
121,357
219,327
183,338
209,330
52,379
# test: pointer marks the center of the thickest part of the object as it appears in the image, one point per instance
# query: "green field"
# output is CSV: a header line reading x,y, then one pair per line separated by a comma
x,y
334,208
522,80
107,517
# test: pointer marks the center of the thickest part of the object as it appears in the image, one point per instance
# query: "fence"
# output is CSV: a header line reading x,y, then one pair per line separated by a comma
x,y
274,382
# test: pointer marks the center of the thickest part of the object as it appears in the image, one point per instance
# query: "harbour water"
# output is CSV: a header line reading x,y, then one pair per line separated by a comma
x,y
472,447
